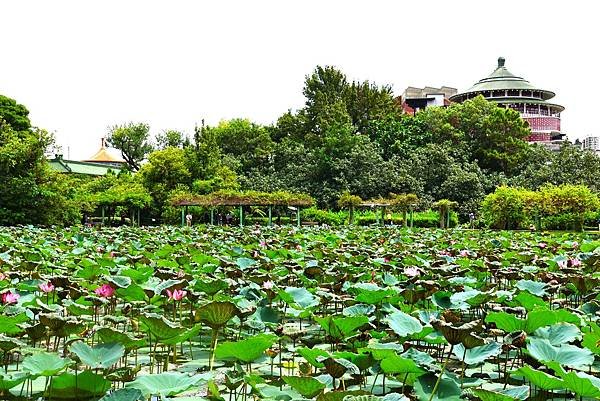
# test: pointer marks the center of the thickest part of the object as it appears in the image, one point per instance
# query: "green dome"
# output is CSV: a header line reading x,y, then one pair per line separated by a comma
x,y
500,80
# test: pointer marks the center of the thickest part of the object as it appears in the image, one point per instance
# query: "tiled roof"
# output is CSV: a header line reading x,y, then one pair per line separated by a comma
x,y
77,167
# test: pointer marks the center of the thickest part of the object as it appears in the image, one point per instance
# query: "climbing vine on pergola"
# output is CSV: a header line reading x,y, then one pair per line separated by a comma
x,y
242,199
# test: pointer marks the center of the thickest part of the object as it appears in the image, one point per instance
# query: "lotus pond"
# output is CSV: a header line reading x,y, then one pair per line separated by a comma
x,y
279,313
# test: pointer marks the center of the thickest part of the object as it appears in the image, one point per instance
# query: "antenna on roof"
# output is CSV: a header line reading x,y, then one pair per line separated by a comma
x,y
102,142
501,61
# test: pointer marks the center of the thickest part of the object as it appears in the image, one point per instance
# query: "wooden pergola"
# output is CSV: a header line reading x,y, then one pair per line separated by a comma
x,y
377,205
383,205
241,200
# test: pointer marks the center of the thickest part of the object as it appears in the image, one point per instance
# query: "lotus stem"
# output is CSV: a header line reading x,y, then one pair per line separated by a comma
x,y
439,379
213,346
462,373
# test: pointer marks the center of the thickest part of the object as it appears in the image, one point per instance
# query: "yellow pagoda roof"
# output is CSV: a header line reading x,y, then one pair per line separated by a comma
x,y
103,156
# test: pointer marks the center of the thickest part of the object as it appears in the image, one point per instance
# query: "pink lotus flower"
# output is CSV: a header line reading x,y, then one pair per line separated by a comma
x,y
105,291
3,276
412,271
99,249
562,264
575,244
298,248
464,253
575,262
46,287
10,298
263,244
267,285
542,245
113,254
386,260
176,295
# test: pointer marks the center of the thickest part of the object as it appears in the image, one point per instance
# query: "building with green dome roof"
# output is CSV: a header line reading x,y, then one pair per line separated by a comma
x,y
511,91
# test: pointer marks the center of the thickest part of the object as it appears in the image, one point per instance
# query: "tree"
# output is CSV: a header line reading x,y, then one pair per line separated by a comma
x,y
506,208
246,141
133,142
29,192
361,101
165,170
480,131
570,165
171,139
14,114
571,202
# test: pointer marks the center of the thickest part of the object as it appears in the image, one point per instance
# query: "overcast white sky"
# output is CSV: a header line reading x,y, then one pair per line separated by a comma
x,y
81,66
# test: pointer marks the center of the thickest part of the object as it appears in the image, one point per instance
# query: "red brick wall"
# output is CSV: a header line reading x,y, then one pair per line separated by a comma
x,y
543,123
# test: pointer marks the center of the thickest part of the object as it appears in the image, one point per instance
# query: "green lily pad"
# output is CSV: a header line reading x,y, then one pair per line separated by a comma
x,y
538,378
403,324
217,314
566,354
44,364
84,385
309,387
447,389
124,394
246,350
101,356
479,354
165,384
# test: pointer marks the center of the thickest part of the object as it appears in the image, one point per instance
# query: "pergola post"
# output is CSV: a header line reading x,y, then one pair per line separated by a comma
x,y
270,216
298,216
412,219
448,219
241,216
376,216
132,217
182,217
383,216
212,216
102,216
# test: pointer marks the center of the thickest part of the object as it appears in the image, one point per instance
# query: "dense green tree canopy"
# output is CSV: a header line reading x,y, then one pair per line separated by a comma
x,y
29,192
133,140
165,170
171,138
14,114
348,136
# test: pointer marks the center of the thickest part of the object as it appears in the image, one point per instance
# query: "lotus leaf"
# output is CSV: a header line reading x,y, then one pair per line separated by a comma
x,y
124,394
566,354
478,354
307,386
217,314
44,364
84,385
560,333
165,384
246,350
101,356
539,379
403,324
8,381
300,296
447,389
396,364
